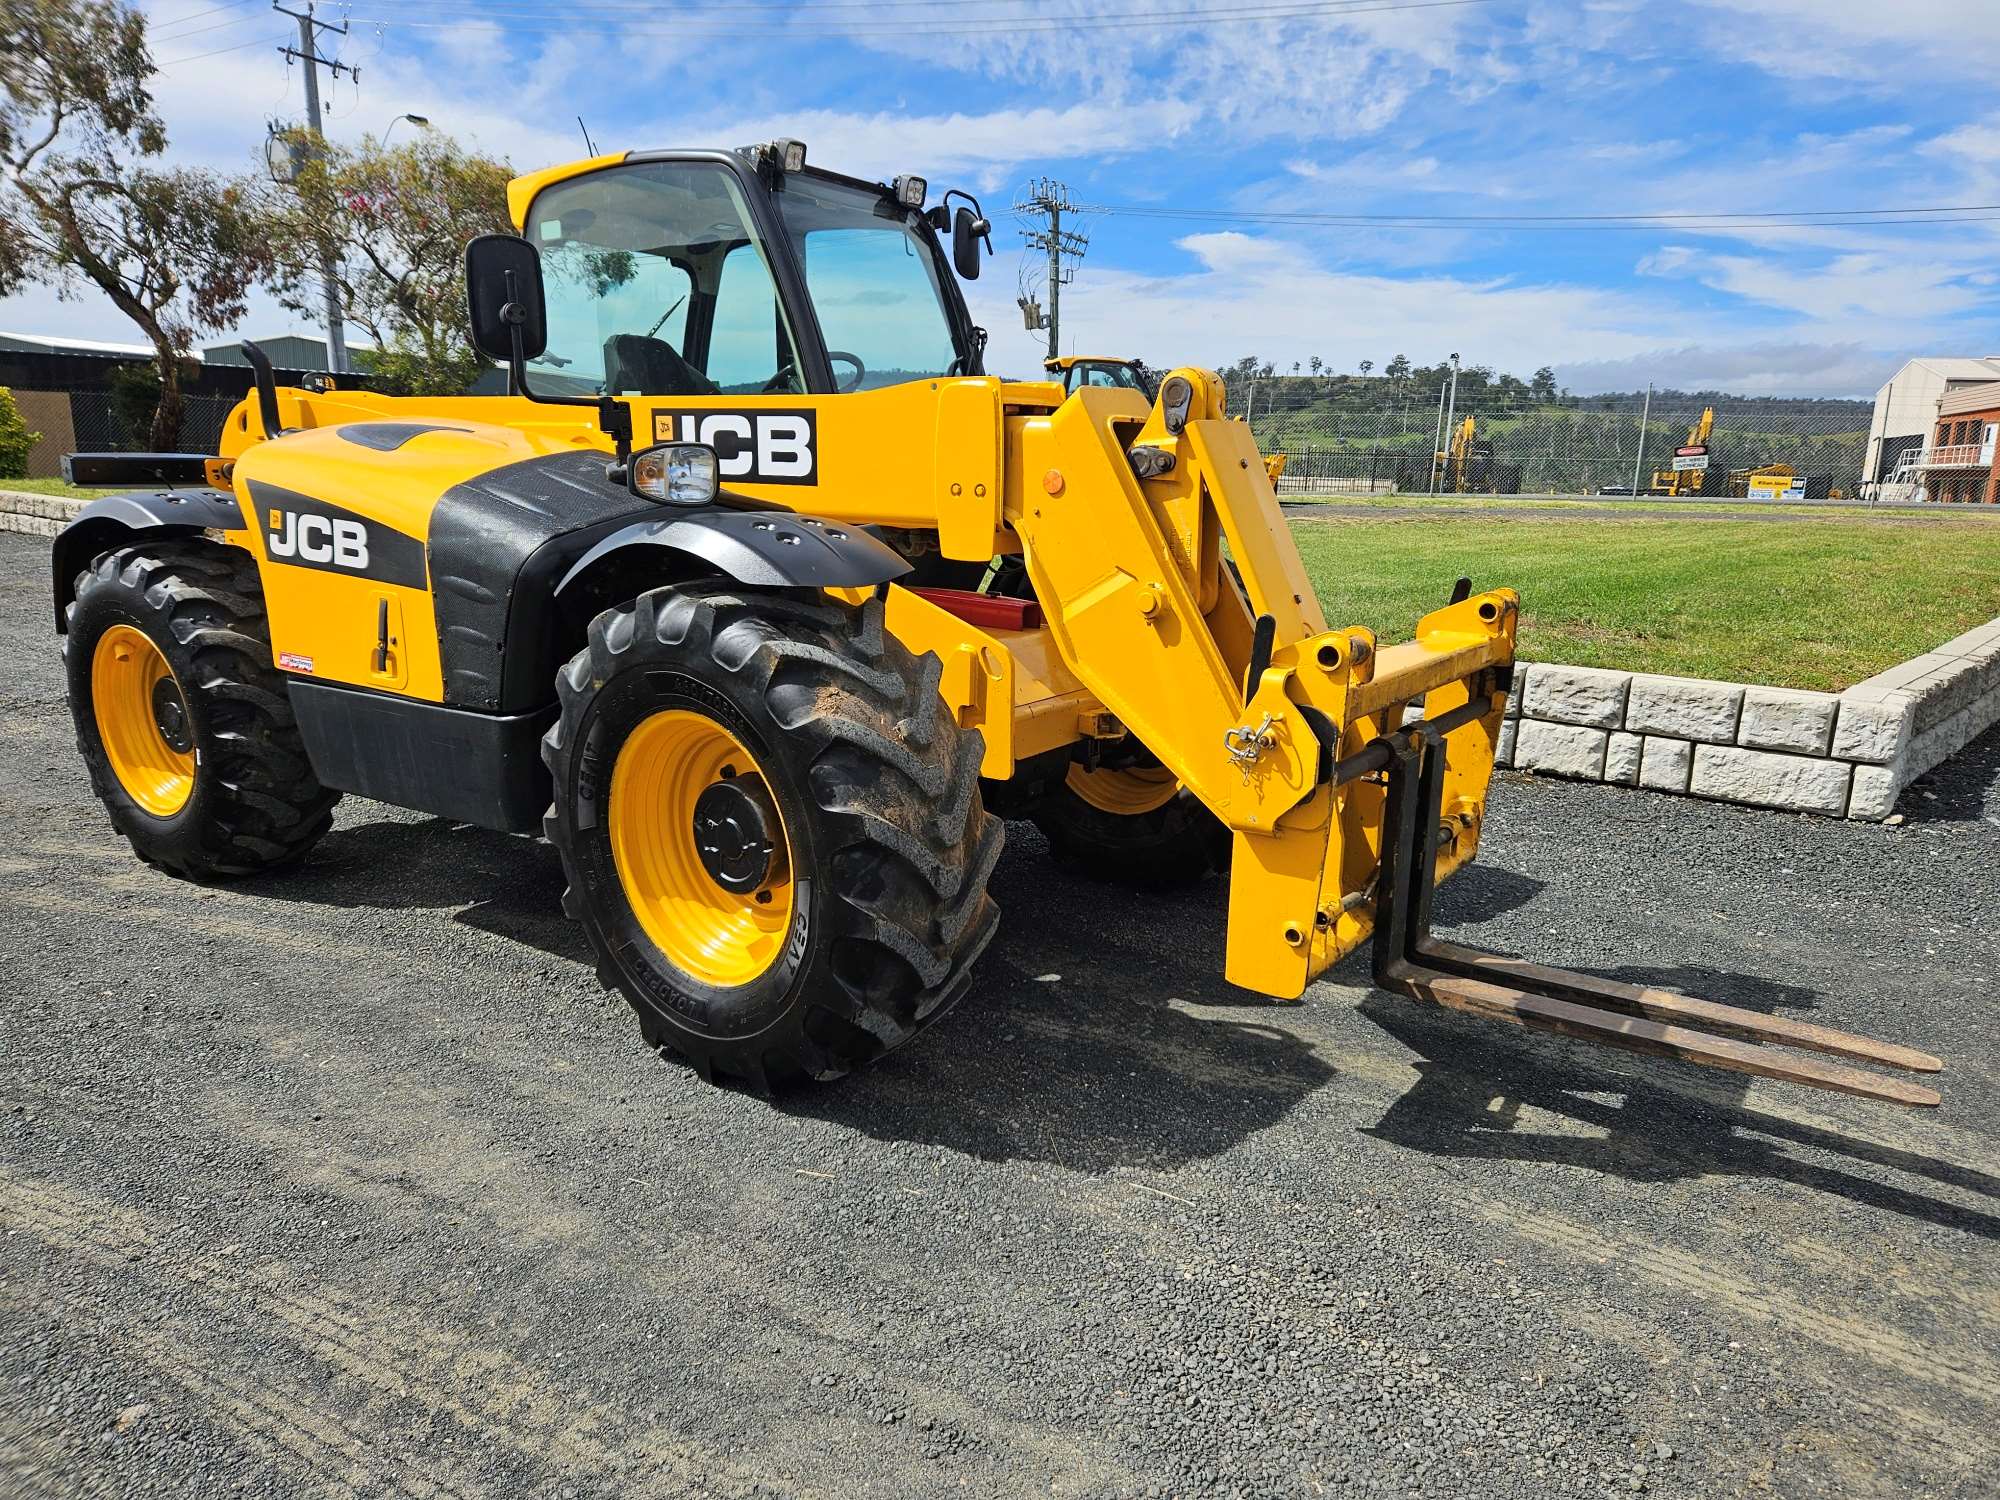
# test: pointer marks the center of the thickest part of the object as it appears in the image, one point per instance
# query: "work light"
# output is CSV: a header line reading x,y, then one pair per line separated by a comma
x,y
791,154
910,191
674,473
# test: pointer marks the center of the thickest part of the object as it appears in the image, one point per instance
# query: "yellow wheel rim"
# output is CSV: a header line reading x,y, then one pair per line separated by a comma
x,y
718,936
142,721
1127,792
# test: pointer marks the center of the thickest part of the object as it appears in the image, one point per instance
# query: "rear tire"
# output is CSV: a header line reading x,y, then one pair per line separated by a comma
x,y
1134,826
876,846
180,716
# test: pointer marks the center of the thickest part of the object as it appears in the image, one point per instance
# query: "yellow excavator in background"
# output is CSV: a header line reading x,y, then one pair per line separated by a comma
x,y
1675,482
1448,467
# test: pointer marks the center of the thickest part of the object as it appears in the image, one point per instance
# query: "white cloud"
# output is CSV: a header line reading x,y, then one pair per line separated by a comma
x,y
1803,369
1877,296
1862,42
990,145
1301,78
1244,294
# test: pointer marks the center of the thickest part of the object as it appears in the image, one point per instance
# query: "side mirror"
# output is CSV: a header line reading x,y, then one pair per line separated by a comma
x,y
967,230
503,291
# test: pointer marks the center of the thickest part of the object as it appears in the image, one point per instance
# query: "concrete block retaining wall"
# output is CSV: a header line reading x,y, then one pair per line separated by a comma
x,y
37,515
1842,755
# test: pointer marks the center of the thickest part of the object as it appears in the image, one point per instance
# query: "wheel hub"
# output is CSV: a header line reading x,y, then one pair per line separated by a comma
x,y
170,716
736,832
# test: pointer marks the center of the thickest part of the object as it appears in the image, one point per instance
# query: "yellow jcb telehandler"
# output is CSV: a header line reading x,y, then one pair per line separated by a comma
x,y
764,604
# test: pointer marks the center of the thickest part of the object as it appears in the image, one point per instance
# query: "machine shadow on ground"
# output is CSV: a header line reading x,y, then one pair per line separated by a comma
x,y
505,884
1077,1046
1100,1068
1096,1071
1641,1119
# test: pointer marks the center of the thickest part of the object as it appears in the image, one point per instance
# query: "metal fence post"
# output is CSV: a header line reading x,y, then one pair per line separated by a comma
x,y
1639,457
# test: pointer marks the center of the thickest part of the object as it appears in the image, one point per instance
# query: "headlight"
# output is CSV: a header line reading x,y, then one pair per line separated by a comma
x,y
674,473
910,191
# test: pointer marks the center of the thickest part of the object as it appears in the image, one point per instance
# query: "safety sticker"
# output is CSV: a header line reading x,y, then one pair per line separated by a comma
x,y
291,661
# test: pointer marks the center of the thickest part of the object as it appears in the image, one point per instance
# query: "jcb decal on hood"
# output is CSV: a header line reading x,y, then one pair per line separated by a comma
x,y
306,533
767,445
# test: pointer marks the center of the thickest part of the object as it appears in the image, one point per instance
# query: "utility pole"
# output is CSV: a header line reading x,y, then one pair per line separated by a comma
x,y
307,52
1049,200
1639,457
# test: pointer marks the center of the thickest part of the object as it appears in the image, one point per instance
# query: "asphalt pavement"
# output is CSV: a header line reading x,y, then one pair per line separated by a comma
x,y
350,1181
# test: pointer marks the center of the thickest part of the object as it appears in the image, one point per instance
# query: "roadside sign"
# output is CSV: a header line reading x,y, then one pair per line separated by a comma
x,y
1777,487
1686,461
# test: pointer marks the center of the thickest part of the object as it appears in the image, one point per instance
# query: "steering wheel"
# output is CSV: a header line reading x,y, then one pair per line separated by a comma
x,y
860,370
785,380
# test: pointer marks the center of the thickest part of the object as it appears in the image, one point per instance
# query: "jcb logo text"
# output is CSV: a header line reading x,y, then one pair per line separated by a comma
x,y
766,446
319,539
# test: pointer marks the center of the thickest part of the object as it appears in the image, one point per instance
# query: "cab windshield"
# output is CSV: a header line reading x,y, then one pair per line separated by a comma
x,y
657,284
875,280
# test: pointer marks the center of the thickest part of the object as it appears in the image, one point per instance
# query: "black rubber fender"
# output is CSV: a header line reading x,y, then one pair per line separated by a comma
x,y
758,548
116,519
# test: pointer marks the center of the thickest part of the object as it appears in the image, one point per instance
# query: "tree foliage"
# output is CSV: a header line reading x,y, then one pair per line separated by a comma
x,y
15,439
397,219
175,250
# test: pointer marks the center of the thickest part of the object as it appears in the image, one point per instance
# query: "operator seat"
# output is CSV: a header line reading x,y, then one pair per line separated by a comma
x,y
651,367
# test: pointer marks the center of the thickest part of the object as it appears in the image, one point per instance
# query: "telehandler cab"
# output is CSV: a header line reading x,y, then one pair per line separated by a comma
x,y
761,600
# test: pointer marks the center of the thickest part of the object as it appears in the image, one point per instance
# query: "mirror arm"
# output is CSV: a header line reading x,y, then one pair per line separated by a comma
x,y
613,415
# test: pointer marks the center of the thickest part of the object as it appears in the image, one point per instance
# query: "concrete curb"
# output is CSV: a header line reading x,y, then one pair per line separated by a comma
x,y
1840,755
36,515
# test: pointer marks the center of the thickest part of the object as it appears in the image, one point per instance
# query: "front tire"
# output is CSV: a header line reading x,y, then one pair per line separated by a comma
x,y
771,828
182,719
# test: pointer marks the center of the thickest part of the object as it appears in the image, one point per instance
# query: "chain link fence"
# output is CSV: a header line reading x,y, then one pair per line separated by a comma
x,y
1346,437
103,423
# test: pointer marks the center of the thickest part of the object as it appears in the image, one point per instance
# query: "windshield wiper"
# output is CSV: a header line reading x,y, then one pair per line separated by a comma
x,y
650,332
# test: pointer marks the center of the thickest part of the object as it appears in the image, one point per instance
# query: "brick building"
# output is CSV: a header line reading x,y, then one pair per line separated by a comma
x,y
1961,464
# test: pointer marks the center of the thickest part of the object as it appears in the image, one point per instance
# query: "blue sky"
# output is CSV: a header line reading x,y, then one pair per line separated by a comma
x,y
1471,110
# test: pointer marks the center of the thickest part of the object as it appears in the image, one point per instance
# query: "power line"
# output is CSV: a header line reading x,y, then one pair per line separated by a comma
x,y
567,20
1829,218
195,15
542,9
174,62
1147,210
182,36
665,14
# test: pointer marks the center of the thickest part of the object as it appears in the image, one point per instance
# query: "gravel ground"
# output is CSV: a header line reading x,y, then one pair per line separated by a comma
x,y
352,1182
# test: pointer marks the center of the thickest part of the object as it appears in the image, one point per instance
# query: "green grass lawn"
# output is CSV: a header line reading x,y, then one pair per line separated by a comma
x,y
1808,604
51,487
1449,504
